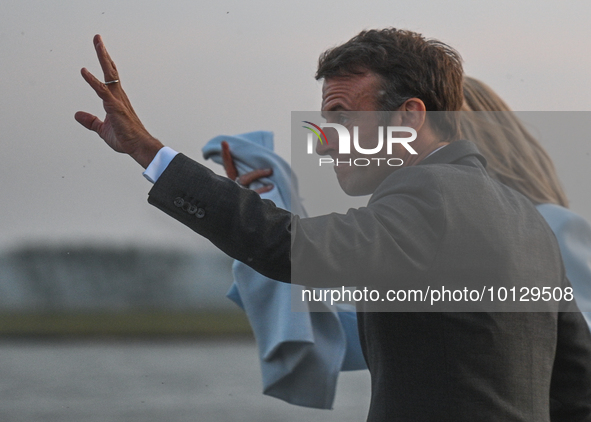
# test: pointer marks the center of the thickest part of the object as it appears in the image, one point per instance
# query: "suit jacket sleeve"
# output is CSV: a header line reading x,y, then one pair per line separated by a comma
x,y
403,221
235,219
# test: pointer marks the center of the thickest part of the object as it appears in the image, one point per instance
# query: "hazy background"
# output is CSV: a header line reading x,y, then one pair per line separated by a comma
x,y
196,69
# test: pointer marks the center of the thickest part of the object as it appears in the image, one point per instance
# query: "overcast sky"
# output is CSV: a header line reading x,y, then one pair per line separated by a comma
x,y
197,69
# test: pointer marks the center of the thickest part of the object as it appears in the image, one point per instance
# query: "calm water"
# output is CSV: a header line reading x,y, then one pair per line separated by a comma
x,y
152,381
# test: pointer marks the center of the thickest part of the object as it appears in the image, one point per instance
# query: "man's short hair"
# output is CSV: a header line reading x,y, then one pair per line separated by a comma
x,y
409,65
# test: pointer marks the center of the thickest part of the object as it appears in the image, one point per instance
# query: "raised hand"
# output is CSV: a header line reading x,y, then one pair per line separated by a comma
x,y
247,178
121,129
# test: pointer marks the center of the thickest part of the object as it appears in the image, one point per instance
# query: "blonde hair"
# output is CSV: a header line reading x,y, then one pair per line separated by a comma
x,y
515,158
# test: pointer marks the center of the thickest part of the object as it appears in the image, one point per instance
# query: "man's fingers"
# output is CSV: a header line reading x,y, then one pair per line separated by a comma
x,y
100,88
264,189
89,121
107,64
228,161
247,178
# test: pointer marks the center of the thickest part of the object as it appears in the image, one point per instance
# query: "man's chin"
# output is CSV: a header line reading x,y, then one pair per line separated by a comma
x,y
354,187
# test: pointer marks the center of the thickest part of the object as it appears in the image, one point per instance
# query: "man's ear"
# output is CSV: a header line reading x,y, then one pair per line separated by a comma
x,y
413,113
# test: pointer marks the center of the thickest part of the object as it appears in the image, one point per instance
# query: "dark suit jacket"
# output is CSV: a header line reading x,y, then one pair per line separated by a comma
x,y
442,222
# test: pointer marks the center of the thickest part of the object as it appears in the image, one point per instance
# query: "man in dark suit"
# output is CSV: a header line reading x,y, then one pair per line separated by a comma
x,y
437,220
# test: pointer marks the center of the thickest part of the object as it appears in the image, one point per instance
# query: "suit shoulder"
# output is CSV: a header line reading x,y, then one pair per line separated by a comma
x,y
429,179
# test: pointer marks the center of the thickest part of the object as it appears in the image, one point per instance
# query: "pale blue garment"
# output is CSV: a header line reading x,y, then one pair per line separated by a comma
x,y
574,239
301,353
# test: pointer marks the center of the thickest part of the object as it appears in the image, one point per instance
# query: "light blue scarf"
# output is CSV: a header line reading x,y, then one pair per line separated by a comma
x,y
301,352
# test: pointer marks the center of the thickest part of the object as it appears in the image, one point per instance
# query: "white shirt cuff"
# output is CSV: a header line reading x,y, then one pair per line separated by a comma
x,y
159,164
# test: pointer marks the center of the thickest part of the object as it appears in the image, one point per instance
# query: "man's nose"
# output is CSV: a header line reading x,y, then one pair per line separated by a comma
x,y
325,147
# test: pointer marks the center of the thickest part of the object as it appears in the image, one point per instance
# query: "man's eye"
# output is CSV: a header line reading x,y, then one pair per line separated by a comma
x,y
343,119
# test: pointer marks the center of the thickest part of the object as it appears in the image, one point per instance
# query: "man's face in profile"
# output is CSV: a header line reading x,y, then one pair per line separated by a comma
x,y
342,97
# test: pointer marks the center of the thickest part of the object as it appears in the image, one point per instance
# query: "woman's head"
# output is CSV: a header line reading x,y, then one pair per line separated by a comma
x,y
514,156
